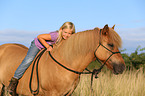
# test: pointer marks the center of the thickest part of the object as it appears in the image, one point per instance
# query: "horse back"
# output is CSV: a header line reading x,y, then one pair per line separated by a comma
x,y
11,55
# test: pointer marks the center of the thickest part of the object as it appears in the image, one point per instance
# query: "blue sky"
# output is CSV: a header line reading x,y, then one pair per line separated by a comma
x,y
22,20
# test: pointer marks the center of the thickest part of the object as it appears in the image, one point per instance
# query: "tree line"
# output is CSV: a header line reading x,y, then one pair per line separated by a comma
x,y
134,60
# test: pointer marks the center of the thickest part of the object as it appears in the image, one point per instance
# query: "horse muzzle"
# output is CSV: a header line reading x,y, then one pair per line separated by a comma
x,y
118,68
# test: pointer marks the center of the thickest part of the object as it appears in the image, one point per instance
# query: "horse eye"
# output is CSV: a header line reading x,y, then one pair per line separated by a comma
x,y
111,45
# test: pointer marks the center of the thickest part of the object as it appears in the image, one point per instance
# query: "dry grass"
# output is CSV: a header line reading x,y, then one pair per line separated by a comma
x,y
130,83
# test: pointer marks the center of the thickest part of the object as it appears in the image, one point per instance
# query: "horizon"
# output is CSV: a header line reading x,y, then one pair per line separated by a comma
x,y
22,21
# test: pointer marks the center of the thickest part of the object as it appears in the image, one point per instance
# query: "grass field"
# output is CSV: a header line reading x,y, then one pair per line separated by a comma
x,y
130,83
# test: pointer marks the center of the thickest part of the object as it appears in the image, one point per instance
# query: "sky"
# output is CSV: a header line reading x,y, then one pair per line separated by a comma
x,y
22,20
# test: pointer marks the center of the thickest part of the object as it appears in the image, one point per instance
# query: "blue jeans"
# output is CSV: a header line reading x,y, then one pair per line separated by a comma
x,y
31,54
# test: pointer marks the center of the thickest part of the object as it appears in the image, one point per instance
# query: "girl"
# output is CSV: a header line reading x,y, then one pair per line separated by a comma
x,y
42,41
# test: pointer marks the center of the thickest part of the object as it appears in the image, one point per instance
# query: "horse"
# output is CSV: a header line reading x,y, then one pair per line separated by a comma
x,y
76,53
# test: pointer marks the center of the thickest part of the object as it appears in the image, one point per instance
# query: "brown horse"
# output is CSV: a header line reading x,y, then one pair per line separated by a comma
x,y
75,53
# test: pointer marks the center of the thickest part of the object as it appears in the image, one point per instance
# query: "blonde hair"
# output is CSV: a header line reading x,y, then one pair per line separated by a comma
x,y
66,25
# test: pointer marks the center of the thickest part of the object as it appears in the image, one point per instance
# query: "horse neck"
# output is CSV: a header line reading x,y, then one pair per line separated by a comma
x,y
80,53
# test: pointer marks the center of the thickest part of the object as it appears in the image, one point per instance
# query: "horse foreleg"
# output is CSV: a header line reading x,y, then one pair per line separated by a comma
x,y
2,90
73,87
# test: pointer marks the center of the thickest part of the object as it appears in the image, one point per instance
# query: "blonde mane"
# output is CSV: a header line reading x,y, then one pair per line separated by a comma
x,y
115,38
79,44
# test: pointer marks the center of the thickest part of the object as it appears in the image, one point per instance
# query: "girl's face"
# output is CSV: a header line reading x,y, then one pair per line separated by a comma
x,y
66,33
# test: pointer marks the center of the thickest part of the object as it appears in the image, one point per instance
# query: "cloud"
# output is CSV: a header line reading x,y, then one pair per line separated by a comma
x,y
18,36
18,32
137,21
134,34
132,38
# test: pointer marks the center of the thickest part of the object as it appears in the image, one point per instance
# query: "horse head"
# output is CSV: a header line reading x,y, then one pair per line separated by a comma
x,y
108,50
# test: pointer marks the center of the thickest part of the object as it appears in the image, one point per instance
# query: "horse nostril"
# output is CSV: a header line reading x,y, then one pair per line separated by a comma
x,y
118,68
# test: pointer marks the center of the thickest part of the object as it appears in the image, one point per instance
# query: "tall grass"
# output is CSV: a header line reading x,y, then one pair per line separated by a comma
x,y
130,83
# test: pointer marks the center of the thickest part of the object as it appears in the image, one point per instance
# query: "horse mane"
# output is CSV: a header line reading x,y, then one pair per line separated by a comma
x,y
83,42
115,38
78,44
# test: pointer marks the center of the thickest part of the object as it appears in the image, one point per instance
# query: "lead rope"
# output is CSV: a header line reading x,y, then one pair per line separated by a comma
x,y
94,72
36,61
35,92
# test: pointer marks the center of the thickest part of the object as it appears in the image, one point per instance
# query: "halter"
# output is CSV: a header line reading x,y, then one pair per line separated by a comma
x,y
106,49
94,72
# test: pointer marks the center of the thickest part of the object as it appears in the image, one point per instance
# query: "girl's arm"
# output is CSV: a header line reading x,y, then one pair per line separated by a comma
x,y
42,38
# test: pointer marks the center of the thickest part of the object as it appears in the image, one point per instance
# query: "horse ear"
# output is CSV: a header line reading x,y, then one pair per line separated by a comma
x,y
113,26
105,30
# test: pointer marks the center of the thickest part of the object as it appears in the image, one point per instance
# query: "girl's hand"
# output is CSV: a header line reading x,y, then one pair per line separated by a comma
x,y
49,48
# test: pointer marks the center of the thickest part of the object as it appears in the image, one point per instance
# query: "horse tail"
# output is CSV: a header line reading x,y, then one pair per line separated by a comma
x,y
1,85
